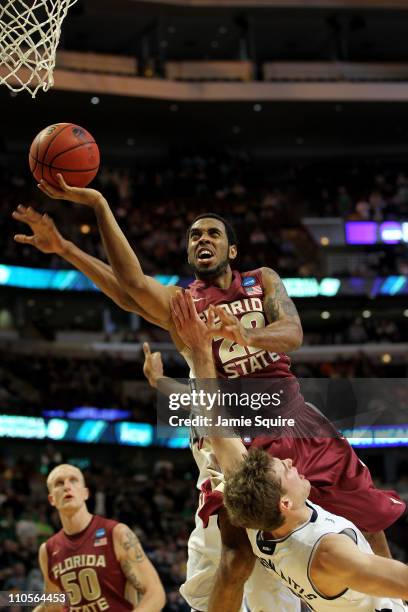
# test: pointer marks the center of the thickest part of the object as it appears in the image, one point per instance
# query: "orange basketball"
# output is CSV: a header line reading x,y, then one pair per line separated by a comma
x,y
67,149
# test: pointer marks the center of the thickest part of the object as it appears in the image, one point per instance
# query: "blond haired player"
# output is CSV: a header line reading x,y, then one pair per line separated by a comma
x,y
97,562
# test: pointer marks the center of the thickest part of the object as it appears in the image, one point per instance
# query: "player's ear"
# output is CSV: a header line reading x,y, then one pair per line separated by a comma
x,y
285,504
51,499
232,251
86,494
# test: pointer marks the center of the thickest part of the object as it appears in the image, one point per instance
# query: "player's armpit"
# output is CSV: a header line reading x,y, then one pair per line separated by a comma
x,y
338,558
236,565
138,570
153,298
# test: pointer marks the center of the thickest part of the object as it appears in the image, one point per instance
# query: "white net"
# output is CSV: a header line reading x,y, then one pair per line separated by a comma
x,y
29,35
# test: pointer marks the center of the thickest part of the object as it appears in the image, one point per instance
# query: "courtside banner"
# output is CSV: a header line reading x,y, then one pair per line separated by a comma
x,y
282,407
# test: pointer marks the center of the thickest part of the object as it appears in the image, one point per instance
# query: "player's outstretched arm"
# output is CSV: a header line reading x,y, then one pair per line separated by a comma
x,y
138,570
153,370
284,330
49,586
148,293
47,239
339,564
236,565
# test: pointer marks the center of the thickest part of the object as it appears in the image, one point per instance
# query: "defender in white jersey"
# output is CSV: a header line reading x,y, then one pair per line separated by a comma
x,y
295,557
323,559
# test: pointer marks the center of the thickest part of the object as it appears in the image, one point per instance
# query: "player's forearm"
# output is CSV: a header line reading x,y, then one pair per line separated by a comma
x,y
384,578
227,594
279,337
203,362
122,258
225,597
99,273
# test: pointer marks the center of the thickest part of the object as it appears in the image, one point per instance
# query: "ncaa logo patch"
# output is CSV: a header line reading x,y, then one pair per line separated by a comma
x,y
100,537
249,281
99,533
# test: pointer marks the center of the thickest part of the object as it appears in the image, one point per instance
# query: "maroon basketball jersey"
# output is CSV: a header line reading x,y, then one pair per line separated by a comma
x,y
85,567
244,299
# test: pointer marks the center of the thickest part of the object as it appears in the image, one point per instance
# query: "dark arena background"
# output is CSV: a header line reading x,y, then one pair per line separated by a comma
x,y
288,118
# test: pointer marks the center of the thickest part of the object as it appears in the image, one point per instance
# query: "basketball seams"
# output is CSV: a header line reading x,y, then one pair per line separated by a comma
x,y
37,146
77,146
63,169
51,140
38,151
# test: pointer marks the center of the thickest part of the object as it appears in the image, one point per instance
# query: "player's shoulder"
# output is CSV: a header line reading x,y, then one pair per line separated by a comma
x,y
250,278
101,523
54,539
249,273
123,538
121,526
269,273
334,552
261,275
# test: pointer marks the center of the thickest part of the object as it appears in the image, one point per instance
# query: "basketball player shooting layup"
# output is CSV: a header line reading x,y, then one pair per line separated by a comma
x,y
323,558
256,324
98,563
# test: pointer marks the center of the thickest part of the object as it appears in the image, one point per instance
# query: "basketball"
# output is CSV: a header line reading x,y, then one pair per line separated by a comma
x,y
67,149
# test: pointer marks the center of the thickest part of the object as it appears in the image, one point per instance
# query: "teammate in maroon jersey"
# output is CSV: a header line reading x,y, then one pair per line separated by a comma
x,y
97,562
261,324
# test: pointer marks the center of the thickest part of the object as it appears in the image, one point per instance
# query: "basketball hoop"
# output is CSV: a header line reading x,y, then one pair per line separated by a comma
x,y
29,35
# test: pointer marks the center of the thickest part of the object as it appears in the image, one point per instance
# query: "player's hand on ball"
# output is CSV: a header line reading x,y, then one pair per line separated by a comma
x,y
153,365
46,238
191,329
79,195
229,327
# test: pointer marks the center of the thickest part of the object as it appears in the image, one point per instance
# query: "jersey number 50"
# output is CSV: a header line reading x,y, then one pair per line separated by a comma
x,y
84,586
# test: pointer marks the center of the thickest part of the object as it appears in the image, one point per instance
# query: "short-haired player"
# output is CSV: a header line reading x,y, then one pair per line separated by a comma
x,y
99,563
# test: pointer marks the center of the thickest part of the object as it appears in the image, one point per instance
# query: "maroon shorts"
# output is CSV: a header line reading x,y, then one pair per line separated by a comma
x,y
340,482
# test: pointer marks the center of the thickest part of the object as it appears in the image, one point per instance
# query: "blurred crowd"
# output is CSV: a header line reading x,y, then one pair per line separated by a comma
x,y
364,195
157,502
155,207
32,384
360,330
266,204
